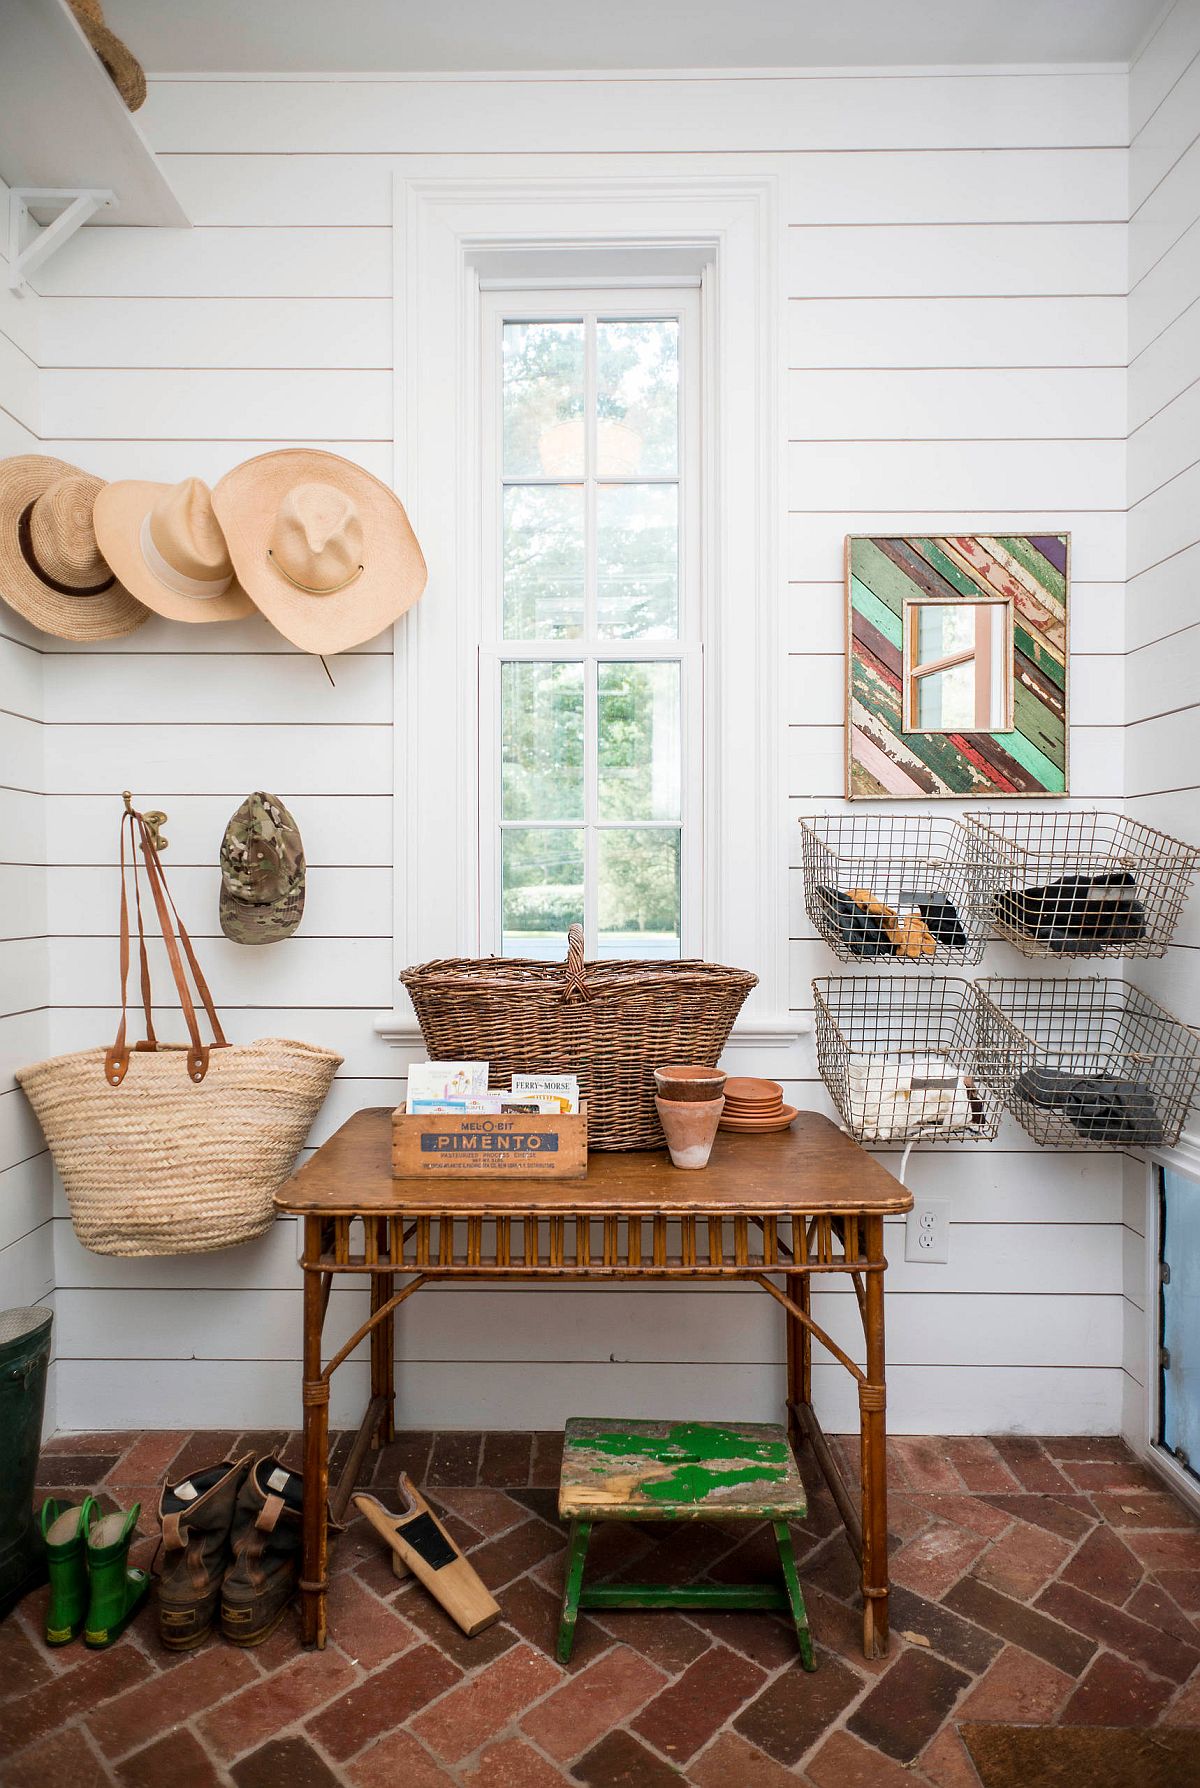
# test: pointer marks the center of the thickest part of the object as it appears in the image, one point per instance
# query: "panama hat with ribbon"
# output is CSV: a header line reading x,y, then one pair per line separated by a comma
x,y
51,568
323,548
165,544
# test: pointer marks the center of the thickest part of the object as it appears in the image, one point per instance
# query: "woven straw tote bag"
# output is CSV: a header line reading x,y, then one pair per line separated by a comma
x,y
174,1149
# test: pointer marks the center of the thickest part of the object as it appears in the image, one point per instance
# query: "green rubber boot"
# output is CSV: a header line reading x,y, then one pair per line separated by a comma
x,y
65,1532
117,1588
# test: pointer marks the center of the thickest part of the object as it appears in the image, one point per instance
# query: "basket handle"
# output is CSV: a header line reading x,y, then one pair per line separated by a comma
x,y
575,977
116,1059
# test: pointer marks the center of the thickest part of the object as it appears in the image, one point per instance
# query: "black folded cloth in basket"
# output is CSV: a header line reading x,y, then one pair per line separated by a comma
x,y
1078,913
1101,1107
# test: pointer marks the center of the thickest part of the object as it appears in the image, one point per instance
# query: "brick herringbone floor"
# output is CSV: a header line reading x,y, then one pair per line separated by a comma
x,y
1036,1583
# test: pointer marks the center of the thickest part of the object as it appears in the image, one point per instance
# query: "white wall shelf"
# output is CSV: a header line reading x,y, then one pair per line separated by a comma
x,y
63,125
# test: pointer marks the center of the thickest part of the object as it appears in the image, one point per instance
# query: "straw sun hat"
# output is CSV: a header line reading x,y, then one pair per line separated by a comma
x,y
51,569
124,69
165,544
322,548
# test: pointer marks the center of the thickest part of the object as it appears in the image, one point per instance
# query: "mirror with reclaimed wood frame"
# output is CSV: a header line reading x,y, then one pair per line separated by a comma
x,y
956,665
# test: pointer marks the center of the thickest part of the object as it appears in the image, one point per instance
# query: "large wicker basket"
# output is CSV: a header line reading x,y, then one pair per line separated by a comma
x,y
611,1023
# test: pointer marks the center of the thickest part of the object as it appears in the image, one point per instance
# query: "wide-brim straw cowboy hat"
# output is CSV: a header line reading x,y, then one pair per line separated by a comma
x,y
51,568
322,547
165,544
124,69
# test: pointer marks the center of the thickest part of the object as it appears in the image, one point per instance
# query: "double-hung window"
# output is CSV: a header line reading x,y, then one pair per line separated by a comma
x,y
590,742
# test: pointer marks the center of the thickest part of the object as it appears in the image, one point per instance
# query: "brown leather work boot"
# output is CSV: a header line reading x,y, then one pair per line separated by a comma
x,y
267,1534
196,1515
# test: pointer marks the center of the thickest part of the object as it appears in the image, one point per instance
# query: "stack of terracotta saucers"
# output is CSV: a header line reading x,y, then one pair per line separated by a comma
x,y
755,1105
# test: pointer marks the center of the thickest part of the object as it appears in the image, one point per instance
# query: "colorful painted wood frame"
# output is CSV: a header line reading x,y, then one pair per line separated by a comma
x,y
888,579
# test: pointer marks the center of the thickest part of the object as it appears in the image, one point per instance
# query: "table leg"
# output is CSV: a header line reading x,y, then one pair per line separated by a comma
x,y
383,1355
872,1400
316,1446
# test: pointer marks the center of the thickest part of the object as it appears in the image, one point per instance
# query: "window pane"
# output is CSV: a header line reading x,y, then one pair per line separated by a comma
x,y
543,400
637,561
542,889
640,744
541,741
946,700
943,628
543,561
637,397
639,892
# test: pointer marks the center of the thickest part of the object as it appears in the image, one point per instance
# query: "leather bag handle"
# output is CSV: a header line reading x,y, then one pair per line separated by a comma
x,y
116,1060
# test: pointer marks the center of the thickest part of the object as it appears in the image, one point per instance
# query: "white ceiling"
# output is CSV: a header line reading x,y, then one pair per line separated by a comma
x,y
301,36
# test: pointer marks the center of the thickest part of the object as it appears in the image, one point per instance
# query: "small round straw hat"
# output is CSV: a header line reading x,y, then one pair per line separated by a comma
x,y
51,569
321,547
165,544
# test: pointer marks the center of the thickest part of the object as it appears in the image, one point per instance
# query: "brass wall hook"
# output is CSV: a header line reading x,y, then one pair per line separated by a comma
x,y
155,820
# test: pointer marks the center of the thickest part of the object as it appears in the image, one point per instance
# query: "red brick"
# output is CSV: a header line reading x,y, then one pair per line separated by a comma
x,y
1167,1551
1134,1639
935,1559
1183,1587
502,1559
398,1761
1086,1446
944,1760
203,1448
385,1700
511,1764
765,1638
288,1694
146,1461
971,1512
664,1636
533,1611
471,1713
1018,1689
69,1472
90,1680
1116,1693
689,1710
619,1761
730,1762
1145,1508
845,1762
1026,1458
22,1665
1153,1605
1057,1644
1105,1568
923,1464
454,1459
176,1759
367,1630
65,1758
794,1710
1022,1562
107,1442
978,1464
1070,1516
166,1701
958,1640
489,1511
1110,1474
433,1623
1185,1711
407,1454
590,1704
905,1708
506,1458
285,1760
547,1458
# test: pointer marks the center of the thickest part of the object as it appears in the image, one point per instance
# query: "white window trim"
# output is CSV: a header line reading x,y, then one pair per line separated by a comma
x,y
449,236
1184,1158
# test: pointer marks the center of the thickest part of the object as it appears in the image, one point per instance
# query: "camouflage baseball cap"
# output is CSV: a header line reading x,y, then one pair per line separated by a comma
x,y
262,872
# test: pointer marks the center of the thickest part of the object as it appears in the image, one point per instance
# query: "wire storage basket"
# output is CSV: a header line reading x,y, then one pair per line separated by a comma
x,y
894,888
900,1057
1083,883
1088,1063
611,1023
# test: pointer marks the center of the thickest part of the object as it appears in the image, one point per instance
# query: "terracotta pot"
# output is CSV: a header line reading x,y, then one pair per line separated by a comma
x,y
678,1083
690,1126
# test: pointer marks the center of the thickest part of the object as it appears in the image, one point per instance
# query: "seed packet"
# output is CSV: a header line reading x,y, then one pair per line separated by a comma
x,y
561,1087
447,1080
426,1106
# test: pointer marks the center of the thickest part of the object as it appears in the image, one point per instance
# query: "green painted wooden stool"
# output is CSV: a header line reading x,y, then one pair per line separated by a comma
x,y
679,1471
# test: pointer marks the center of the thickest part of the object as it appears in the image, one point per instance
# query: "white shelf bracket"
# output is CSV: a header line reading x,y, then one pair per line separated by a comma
x,y
74,205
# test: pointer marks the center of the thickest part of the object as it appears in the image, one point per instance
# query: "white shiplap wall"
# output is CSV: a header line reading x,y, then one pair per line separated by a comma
x,y
1162,666
955,276
26,1229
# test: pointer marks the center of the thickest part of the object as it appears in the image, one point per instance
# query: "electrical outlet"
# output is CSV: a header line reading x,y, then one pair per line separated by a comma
x,y
927,1231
